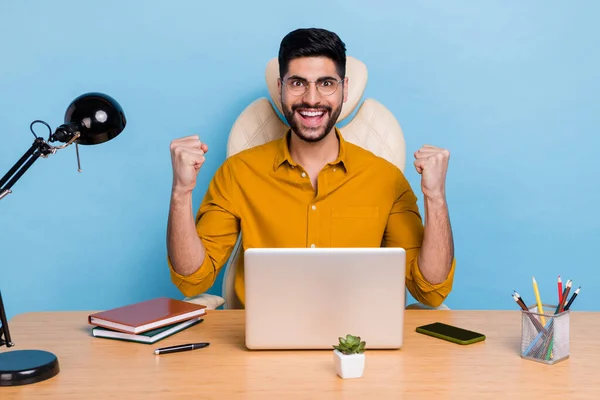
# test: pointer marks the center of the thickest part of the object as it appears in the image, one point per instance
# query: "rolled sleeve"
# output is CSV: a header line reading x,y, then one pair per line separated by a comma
x,y
196,283
425,292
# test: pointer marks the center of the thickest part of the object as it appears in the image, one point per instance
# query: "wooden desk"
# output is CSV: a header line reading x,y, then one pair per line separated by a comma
x,y
94,368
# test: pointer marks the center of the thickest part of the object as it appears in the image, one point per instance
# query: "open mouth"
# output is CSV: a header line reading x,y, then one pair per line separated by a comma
x,y
312,117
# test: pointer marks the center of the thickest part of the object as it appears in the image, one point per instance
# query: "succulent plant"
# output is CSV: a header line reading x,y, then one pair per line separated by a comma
x,y
350,345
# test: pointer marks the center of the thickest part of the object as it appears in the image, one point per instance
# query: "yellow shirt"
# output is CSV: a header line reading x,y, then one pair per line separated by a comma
x,y
361,201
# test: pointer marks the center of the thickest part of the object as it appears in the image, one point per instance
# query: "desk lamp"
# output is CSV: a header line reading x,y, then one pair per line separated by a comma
x,y
90,119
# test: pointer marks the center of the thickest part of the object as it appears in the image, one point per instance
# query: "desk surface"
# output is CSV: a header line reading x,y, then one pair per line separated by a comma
x,y
426,367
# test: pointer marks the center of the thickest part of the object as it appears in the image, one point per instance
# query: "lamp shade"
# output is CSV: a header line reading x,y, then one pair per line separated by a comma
x,y
96,116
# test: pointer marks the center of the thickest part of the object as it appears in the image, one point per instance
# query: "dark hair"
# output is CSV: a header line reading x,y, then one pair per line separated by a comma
x,y
312,42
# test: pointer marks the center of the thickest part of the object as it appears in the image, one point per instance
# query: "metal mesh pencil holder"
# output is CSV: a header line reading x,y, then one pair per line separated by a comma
x,y
545,335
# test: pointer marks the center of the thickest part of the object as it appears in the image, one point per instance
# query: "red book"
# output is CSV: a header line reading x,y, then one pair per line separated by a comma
x,y
146,315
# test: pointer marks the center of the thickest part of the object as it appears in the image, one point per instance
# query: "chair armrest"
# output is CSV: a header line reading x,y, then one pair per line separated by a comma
x,y
421,306
211,301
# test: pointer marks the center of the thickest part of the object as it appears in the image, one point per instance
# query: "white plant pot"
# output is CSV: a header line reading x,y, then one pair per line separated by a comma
x,y
349,366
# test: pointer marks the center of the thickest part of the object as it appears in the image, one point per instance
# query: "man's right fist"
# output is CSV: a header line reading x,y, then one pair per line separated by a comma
x,y
187,157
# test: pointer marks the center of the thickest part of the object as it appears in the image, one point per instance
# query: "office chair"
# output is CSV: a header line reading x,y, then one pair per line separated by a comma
x,y
373,127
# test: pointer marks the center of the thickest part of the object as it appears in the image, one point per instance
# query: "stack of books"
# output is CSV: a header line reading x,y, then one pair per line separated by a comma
x,y
148,321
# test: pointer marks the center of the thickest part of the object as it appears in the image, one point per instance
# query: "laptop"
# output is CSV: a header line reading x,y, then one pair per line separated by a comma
x,y
306,298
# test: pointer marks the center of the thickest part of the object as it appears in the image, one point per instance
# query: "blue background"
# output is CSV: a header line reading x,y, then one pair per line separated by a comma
x,y
510,87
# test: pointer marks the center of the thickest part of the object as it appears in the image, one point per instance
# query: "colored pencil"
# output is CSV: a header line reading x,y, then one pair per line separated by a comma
x,y
535,322
565,296
521,301
560,290
540,307
572,298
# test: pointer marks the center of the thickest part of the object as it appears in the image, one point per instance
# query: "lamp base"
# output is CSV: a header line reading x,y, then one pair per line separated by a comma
x,y
22,367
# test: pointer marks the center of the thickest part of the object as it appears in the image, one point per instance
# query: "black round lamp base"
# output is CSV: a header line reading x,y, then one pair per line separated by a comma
x,y
22,367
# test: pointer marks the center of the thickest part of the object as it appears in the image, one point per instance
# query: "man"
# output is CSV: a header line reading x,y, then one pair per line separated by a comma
x,y
309,189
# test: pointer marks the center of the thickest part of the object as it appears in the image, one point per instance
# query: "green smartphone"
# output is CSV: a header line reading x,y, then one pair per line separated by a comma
x,y
451,333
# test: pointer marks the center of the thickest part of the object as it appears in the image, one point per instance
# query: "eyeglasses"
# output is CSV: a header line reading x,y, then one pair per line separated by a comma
x,y
299,86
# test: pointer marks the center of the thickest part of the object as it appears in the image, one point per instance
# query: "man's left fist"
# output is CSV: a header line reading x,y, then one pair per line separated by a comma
x,y
432,163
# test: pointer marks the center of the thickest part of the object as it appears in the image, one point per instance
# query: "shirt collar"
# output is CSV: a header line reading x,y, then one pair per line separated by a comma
x,y
283,152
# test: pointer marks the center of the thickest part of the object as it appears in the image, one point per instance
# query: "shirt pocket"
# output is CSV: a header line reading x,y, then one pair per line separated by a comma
x,y
355,226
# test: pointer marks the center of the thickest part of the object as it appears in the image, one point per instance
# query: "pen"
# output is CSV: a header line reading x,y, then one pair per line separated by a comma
x,y
181,347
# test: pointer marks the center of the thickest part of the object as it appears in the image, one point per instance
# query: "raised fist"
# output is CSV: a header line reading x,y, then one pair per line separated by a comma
x,y
187,157
432,163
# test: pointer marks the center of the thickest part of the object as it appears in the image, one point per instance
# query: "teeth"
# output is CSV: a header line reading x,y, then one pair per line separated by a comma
x,y
311,113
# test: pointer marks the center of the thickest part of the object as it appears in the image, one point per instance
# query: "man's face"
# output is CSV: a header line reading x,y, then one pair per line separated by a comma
x,y
309,107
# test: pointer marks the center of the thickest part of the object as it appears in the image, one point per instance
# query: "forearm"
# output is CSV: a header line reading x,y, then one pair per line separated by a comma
x,y
185,249
437,250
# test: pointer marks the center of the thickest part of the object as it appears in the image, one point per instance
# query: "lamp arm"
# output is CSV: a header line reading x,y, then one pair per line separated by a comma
x,y
4,328
6,189
17,165
39,148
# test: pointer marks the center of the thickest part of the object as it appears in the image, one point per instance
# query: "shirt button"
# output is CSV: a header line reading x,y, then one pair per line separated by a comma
x,y
304,174
312,245
314,207
334,170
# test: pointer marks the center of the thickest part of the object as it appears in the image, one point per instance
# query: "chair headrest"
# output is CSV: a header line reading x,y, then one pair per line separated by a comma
x,y
357,74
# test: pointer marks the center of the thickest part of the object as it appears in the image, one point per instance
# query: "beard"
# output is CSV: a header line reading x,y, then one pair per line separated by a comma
x,y
308,133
